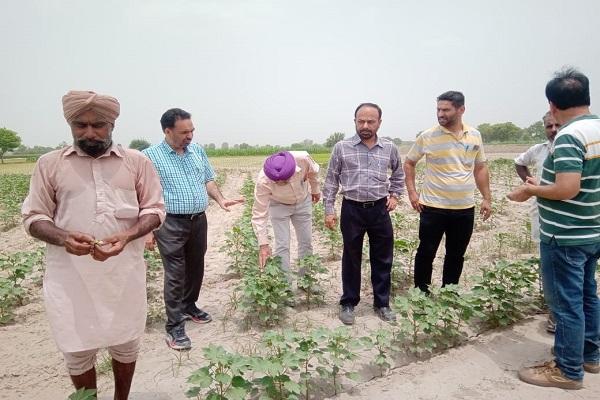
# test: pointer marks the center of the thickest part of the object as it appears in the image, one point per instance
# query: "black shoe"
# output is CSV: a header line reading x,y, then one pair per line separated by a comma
x,y
385,313
347,314
177,339
198,316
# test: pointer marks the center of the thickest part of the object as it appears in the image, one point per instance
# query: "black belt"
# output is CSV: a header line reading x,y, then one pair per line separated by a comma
x,y
185,216
366,204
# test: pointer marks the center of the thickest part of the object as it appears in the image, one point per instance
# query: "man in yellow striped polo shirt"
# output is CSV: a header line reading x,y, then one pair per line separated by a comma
x,y
454,164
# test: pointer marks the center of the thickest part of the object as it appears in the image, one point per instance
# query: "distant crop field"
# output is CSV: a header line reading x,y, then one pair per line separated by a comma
x,y
16,168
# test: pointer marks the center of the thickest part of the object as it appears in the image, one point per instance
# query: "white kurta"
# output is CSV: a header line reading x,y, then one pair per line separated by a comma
x,y
92,304
534,157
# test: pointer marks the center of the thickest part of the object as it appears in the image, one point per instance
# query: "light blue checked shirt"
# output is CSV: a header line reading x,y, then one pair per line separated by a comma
x,y
183,177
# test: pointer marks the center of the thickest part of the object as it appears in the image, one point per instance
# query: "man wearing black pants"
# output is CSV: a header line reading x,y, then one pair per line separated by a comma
x,y
360,166
454,164
187,181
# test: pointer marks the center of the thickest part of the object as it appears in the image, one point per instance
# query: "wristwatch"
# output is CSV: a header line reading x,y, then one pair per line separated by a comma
x,y
395,195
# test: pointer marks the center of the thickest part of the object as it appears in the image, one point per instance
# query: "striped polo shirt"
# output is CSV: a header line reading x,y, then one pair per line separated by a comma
x,y
183,177
449,162
576,221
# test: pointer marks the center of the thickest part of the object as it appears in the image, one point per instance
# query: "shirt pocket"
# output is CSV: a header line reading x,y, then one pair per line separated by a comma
x,y
126,204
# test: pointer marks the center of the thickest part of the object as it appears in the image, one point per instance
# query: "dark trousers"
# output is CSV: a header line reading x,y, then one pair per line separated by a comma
x,y
458,227
355,221
182,246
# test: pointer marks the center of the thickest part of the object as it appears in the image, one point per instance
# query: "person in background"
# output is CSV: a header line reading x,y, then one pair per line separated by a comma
x,y
535,157
92,203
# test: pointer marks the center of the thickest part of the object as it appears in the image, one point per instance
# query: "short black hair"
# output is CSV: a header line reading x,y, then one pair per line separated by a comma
x,y
171,116
569,88
375,106
456,98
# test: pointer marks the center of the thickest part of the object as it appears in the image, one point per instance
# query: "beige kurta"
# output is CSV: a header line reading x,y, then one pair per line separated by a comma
x,y
293,192
92,304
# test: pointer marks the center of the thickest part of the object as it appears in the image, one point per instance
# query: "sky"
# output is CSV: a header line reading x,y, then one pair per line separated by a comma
x,y
278,72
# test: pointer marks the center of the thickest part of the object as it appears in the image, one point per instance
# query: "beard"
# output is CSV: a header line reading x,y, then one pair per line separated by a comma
x,y
94,148
365,134
446,121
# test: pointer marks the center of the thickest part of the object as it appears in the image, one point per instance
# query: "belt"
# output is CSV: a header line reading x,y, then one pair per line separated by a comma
x,y
366,204
186,216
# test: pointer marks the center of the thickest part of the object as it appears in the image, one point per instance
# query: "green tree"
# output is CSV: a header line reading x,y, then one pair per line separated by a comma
x,y
535,132
334,138
502,132
139,144
9,140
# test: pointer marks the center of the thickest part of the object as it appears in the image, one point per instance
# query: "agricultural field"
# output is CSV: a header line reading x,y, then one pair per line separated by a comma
x,y
280,342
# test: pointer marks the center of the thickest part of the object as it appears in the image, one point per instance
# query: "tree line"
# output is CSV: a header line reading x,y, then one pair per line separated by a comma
x,y
504,132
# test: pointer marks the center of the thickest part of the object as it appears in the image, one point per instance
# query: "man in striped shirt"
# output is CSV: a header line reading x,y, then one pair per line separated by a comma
x,y
360,166
454,164
569,204
187,180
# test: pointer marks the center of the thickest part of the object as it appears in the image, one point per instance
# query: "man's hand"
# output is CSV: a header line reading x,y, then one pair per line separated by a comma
x,y
520,193
225,203
316,197
78,243
109,247
485,209
413,197
330,221
264,252
149,242
391,203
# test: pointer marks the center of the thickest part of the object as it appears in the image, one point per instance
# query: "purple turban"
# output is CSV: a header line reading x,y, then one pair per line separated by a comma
x,y
280,166
76,102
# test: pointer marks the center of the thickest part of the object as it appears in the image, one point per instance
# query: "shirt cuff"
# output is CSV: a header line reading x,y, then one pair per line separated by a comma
x,y
27,222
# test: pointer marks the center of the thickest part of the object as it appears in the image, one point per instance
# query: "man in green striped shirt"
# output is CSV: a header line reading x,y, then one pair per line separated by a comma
x,y
569,204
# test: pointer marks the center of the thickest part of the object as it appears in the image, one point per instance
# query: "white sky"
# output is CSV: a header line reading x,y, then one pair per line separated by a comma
x,y
277,72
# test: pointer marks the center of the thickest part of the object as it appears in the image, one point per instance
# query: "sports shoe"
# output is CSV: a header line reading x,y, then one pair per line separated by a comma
x,y
549,375
347,314
551,324
385,313
592,368
177,339
198,316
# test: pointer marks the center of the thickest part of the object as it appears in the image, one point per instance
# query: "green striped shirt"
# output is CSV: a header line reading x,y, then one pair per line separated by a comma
x,y
576,221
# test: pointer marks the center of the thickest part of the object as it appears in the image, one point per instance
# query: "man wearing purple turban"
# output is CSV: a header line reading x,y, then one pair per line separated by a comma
x,y
92,203
285,189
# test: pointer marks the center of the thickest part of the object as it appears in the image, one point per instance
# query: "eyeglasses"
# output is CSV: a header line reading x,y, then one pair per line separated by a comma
x,y
94,125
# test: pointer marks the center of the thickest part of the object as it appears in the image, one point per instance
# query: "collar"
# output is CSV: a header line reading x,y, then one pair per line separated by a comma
x,y
113,149
465,129
579,118
357,140
167,148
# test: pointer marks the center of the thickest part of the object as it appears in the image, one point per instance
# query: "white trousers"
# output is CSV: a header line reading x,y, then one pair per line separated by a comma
x,y
300,215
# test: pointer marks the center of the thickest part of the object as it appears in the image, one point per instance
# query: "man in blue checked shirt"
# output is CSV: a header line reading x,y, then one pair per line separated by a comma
x,y
187,180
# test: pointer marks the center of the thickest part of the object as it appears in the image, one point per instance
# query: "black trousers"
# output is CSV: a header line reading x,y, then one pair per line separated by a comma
x,y
356,219
435,222
182,246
